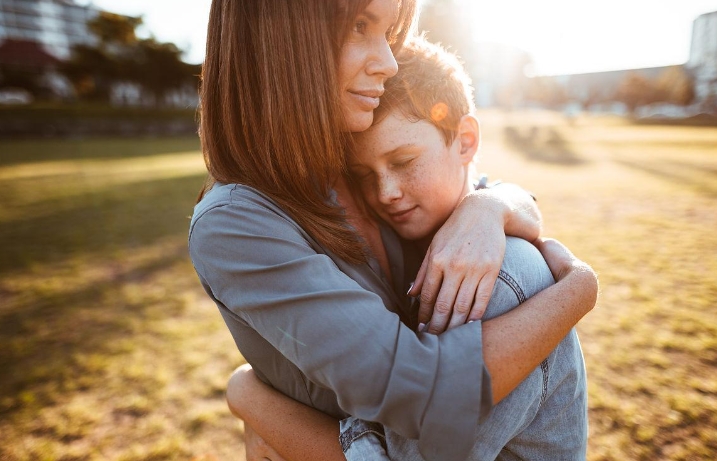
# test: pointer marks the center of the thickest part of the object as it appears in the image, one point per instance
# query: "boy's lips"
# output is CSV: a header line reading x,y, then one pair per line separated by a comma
x,y
402,215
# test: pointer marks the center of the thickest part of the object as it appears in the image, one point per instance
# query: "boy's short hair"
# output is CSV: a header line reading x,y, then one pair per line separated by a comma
x,y
431,84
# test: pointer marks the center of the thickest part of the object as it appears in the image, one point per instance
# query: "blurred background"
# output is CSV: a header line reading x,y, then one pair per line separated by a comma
x,y
109,349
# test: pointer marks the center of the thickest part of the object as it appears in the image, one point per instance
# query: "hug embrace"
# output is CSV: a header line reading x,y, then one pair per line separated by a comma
x,y
339,148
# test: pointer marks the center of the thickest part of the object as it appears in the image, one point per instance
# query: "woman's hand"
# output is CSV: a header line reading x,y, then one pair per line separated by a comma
x,y
460,268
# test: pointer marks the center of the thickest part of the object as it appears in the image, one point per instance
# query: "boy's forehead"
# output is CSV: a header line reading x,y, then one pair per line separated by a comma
x,y
393,133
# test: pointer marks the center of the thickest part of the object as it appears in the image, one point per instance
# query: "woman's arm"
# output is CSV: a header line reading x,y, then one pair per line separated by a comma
x,y
513,344
461,265
295,431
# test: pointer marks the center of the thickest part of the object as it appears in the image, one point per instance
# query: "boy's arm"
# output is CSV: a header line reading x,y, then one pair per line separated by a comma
x,y
295,431
462,263
516,342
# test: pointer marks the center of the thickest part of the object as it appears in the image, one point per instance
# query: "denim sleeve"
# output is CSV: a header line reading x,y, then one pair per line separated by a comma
x,y
258,264
523,274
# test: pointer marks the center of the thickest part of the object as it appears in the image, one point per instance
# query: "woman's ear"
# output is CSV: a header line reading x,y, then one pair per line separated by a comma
x,y
469,136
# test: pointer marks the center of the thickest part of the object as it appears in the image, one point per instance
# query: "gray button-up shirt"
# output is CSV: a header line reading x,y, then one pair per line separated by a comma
x,y
327,333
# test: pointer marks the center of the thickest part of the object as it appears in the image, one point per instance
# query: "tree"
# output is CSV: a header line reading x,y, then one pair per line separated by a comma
x,y
636,90
121,57
115,29
158,67
675,86
91,72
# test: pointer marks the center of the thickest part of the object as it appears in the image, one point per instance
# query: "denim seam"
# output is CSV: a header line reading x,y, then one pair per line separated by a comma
x,y
545,368
513,284
350,435
510,281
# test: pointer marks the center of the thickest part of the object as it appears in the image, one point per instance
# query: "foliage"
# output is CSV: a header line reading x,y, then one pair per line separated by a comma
x,y
675,86
635,90
120,57
672,86
545,91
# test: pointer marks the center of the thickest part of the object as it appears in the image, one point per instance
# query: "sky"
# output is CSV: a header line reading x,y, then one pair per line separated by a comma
x,y
562,36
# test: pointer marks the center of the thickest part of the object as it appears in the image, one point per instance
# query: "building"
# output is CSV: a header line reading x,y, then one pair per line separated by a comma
x,y
56,25
703,56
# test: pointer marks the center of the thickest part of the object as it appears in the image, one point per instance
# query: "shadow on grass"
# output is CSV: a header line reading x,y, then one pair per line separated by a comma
x,y
682,173
43,150
106,221
48,335
544,144
46,323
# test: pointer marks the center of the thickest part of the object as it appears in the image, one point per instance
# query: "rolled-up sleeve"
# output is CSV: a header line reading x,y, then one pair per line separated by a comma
x,y
258,264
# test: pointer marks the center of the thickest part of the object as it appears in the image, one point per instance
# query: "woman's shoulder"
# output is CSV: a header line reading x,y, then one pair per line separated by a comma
x,y
239,195
237,207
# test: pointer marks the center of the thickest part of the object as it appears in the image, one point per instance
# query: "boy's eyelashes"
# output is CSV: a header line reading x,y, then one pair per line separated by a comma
x,y
403,162
362,172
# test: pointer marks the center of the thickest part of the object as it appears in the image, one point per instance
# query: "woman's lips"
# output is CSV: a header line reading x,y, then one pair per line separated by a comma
x,y
366,100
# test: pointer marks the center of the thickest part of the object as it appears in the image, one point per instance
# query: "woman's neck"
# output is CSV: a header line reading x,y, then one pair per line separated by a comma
x,y
366,226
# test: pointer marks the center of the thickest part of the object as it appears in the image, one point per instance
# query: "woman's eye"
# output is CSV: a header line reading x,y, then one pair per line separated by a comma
x,y
360,27
360,175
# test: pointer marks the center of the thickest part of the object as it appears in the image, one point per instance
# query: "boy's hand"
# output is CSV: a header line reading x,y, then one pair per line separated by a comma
x,y
458,273
560,259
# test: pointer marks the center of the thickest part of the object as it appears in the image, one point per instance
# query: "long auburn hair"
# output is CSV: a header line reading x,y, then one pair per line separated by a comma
x,y
270,112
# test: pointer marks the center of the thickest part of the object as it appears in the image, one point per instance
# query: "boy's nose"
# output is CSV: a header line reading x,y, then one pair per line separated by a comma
x,y
389,190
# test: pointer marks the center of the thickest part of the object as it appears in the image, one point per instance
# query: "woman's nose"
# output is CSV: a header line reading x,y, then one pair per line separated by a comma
x,y
383,62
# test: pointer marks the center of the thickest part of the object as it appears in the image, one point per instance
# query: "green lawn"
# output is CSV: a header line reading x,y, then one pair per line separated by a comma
x,y
111,350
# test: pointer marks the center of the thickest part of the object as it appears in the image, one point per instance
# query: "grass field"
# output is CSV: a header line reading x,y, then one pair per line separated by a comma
x,y
111,350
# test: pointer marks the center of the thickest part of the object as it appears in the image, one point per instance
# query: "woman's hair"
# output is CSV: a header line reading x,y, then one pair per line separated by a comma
x,y
432,85
270,112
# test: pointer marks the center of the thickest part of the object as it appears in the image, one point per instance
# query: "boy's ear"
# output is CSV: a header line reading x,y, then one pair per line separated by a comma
x,y
469,136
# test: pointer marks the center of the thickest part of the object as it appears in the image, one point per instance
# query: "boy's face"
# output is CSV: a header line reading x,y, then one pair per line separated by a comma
x,y
408,175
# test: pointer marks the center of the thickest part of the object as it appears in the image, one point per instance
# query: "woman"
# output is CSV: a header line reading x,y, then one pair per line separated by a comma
x,y
304,294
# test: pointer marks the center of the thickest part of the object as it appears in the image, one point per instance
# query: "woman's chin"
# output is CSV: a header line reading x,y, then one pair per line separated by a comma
x,y
358,122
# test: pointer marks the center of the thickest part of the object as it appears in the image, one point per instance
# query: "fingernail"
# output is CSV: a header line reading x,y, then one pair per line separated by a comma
x,y
410,288
421,326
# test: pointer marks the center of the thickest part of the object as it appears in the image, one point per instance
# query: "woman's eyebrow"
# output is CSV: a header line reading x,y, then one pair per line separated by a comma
x,y
371,17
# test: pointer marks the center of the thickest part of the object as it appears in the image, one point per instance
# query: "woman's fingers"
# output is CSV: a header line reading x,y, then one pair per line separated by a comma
x,y
443,307
429,289
482,295
464,302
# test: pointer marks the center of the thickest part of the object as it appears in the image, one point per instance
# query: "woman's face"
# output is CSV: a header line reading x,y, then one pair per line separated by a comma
x,y
366,62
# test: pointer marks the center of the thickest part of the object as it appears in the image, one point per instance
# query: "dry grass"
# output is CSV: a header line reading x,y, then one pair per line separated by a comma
x,y
640,204
110,349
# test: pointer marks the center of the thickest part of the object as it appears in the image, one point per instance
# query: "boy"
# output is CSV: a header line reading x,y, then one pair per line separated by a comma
x,y
412,168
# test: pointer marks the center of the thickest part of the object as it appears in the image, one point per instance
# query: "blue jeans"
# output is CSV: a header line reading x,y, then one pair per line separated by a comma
x,y
544,418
